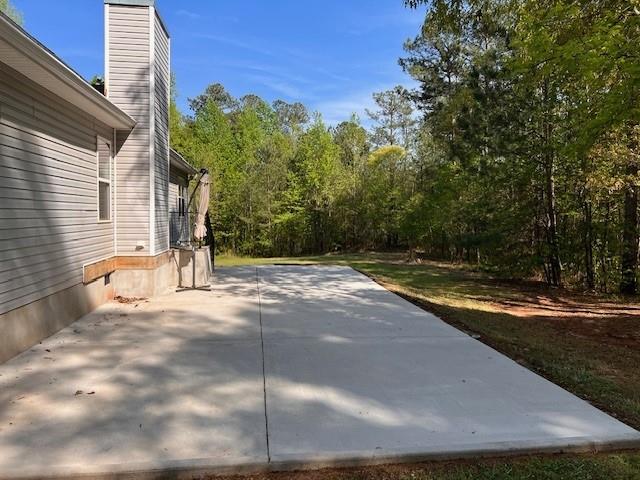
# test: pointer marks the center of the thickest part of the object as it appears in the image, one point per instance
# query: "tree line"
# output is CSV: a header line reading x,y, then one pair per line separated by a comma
x,y
285,183
518,151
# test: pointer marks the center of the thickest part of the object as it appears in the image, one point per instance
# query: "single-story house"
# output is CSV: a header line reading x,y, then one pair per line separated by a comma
x,y
92,199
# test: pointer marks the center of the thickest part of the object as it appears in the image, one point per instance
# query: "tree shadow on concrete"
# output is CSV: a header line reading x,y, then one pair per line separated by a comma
x,y
179,377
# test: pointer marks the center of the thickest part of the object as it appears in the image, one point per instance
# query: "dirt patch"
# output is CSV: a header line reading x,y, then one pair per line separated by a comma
x,y
128,300
608,319
577,315
622,330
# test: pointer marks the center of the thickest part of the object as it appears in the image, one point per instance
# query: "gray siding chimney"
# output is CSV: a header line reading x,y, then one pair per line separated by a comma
x,y
137,79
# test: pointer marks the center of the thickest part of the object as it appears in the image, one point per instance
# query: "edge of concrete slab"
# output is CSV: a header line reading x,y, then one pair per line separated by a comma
x,y
188,469
286,462
174,469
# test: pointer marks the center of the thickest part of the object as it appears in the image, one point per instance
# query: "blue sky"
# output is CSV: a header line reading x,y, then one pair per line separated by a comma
x,y
329,54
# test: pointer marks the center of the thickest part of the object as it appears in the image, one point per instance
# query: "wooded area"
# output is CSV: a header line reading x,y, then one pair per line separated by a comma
x,y
519,150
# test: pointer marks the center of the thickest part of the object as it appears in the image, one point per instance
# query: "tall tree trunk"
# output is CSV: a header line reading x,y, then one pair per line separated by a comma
x,y
588,244
587,229
553,244
628,283
555,267
604,249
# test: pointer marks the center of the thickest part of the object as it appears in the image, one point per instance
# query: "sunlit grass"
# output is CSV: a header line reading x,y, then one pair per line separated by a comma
x,y
228,260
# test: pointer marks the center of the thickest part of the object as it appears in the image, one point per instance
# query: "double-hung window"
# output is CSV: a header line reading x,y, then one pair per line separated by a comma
x,y
182,200
104,180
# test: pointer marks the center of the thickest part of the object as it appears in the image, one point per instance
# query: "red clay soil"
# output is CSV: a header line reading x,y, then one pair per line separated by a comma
x,y
582,316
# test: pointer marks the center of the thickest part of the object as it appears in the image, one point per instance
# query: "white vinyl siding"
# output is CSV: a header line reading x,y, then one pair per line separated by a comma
x,y
161,146
128,86
48,197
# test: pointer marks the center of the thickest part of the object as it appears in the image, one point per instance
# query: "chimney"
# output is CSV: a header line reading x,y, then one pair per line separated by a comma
x,y
137,79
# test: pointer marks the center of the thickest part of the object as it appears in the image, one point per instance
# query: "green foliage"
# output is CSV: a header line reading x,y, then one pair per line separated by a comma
x,y
531,161
518,150
215,93
285,185
11,11
97,82
394,120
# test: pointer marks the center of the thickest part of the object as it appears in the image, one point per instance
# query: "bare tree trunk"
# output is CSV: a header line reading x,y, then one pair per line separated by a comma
x,y
555,267
604,249
587,228
588,245
628,283
548,158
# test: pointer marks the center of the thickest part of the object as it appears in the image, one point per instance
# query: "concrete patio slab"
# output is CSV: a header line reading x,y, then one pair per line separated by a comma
x,y
172,383
387,397
335,302
376,377
354,374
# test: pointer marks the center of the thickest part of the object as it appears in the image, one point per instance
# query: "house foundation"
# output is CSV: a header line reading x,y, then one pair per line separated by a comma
x,y
172,270
27,325
127,277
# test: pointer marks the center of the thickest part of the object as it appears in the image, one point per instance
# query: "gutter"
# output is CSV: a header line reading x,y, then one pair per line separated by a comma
x,y
179,162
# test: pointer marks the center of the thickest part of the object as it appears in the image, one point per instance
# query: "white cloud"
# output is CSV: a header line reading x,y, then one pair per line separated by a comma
x,y
188,14
277,85
330,74
401,18
234,43
268,69
341,109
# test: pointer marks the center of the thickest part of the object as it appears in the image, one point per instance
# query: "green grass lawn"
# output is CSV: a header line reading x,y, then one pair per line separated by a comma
x,y
589,345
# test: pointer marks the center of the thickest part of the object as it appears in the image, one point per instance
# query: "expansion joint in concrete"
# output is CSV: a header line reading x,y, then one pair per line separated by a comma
x,y
264,374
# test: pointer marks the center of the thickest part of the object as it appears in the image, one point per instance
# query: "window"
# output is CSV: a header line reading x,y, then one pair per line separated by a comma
x,y
104,180
182,200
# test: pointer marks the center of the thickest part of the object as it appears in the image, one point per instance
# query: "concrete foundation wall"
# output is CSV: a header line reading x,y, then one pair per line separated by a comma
x,y
145,282
23,327
184,269
177,272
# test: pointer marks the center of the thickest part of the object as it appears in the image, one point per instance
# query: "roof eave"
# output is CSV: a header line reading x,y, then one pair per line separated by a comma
x,y
29,57
180,163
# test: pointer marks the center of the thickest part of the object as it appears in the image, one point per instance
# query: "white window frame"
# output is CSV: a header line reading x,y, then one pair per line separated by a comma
x,y
182,201
100,179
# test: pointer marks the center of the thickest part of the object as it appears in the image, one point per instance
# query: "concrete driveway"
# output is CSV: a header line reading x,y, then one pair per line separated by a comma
x,y
276,367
